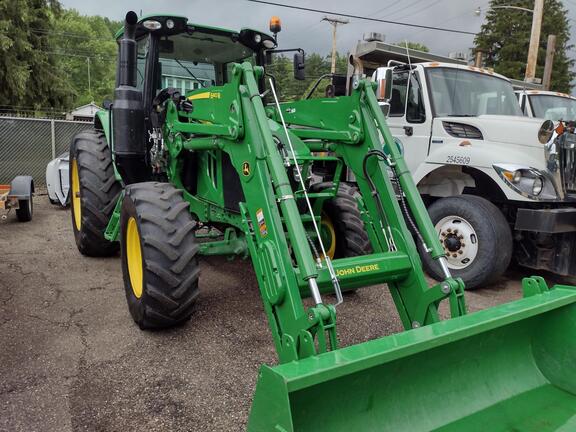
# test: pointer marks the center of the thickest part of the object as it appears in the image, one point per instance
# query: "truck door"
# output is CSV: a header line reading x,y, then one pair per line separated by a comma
x,y
408,119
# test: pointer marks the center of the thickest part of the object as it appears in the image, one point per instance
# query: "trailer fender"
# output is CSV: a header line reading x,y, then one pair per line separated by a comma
x,y
22,187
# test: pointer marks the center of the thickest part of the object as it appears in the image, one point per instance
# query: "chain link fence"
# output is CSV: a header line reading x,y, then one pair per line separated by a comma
x,y
27,145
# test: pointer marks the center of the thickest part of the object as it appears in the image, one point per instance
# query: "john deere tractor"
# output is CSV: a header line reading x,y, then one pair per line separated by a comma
x,y
196,156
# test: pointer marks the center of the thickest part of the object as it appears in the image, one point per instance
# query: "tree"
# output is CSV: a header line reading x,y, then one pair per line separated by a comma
x,y
413,45
86,51
505,36
29,73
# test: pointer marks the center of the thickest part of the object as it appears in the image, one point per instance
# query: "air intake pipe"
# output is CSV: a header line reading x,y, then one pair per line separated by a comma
x,y
129,129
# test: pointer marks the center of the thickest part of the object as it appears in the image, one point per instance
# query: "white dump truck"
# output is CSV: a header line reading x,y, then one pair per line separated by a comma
x,y
483,168
547,105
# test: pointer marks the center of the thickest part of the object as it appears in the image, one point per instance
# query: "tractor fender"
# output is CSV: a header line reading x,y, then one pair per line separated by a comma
x,y
22,187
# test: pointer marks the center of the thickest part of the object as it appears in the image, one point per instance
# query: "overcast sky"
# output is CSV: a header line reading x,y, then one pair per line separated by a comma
x,y
306,30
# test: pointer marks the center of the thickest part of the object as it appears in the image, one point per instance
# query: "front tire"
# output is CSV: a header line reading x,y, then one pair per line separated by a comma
x,y
475,236
158,251
93,193
341,225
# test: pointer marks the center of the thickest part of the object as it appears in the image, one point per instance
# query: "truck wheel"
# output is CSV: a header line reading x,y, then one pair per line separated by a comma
x,y
476,238
93,192
341,225
25,210
158,250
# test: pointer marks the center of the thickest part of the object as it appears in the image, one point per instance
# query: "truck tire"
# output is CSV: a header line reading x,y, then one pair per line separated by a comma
x,y
158,250
476,237
25,210
341,224
93,193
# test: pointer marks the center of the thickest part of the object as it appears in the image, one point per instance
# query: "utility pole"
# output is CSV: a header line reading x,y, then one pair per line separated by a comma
x,y
334,23
89,86
534,41
550,51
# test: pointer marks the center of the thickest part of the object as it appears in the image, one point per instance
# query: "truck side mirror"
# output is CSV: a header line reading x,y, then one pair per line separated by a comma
x,y
385,86
299,65
268,57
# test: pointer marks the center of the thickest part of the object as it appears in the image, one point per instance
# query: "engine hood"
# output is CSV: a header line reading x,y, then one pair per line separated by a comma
x,y
502,129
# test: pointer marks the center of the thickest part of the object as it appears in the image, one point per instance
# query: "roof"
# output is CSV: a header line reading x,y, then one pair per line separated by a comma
x,y
88,110
548,93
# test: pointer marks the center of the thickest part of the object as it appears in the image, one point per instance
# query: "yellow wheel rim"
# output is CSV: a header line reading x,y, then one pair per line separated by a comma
x,y
134,257
76,206
328,229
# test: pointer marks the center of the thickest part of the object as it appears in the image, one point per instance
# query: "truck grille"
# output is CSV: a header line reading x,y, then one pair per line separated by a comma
x,y
567,159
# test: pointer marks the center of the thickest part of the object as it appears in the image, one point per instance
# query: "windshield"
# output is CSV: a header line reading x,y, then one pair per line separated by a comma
x,y
553,107
196,60
457,92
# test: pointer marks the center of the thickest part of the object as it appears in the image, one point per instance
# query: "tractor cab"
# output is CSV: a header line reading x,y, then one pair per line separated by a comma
x,y
166,57
188,57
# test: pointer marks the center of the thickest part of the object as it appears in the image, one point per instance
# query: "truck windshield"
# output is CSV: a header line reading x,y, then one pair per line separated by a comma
x,y
457,92
554,108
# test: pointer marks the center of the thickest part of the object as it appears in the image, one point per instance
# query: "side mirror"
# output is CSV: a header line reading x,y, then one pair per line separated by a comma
x,y
385,86
268,57
299,73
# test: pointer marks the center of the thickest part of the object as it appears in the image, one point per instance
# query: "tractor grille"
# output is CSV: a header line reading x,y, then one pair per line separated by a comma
x,y
567,158
460,130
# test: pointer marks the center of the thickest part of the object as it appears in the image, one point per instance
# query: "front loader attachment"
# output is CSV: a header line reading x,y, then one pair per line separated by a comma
x,y
509,368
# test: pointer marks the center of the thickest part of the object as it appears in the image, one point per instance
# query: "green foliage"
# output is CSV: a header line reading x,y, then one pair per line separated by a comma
x,y
29,73
86,43
413,45
505,37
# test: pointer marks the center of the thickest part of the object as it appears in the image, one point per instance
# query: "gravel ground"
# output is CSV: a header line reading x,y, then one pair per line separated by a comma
x,y
71,359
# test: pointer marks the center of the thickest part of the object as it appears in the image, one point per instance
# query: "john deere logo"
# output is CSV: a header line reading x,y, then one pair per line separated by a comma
x,y
246,168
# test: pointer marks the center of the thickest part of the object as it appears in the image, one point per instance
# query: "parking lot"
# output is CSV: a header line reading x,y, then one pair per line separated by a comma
x,y
72,359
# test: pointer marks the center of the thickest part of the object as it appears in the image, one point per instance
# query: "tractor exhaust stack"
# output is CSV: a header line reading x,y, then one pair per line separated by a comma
x,y
129,143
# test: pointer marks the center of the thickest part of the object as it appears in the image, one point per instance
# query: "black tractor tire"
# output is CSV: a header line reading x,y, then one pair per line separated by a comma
x,y
25,210
164,296
492,234
98,190
344,215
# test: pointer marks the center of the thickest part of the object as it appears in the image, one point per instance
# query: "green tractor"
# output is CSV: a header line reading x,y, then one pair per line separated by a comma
x,y
197,157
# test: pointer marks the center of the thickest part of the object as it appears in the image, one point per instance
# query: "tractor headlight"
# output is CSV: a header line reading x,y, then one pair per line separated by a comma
x,y
527,181
257,38
152,25
169,24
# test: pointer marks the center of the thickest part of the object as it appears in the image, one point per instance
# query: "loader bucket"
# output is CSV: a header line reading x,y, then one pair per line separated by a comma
x,y
508,368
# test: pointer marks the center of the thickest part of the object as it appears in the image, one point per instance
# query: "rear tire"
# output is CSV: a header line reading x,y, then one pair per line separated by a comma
x,y
93,193
485,229
158,250
341,216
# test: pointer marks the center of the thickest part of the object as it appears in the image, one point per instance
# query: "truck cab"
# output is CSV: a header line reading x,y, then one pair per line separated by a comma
x,y
547,105
481,167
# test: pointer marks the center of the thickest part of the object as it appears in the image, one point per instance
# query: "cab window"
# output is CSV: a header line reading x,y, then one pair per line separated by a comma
x,y
413,108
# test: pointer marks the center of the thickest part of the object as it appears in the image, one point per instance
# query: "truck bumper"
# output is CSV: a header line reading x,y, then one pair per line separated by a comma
x,y
546,239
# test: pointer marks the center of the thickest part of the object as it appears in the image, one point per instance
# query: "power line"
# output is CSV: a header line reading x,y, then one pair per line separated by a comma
x,y
362,17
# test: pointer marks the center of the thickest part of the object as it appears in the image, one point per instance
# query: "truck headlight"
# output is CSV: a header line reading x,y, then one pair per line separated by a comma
x,y
527,181
537,186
